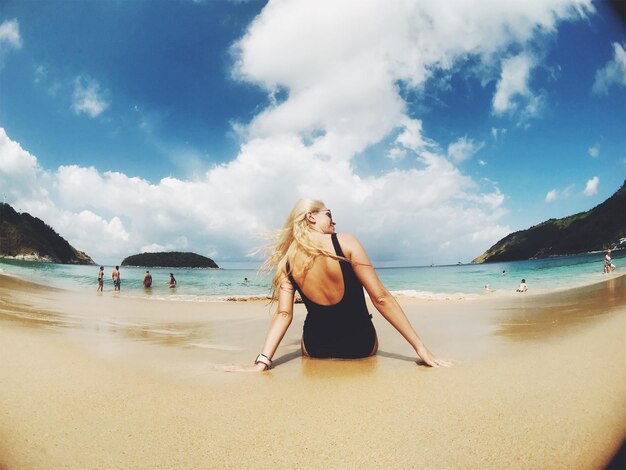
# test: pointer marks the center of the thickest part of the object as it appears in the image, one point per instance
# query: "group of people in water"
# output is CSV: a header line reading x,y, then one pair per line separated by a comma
x,y
117,279
147,280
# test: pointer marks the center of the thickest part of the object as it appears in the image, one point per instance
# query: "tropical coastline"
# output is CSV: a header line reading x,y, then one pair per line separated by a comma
x,y
421,282
127,382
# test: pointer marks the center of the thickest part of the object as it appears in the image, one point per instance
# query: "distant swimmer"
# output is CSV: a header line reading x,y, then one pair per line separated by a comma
x,y
488,288
100,279
172,281
608,263
522,286
504,272
147,280
115,275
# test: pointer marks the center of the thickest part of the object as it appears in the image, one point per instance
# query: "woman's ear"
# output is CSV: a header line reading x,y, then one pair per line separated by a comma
x,y
309,217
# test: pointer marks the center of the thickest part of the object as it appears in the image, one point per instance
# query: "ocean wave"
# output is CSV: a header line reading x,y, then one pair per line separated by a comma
x,y
201,298
407,293
245,298
219,347
426,295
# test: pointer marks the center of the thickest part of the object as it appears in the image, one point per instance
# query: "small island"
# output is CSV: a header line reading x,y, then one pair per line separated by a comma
x,y
169,259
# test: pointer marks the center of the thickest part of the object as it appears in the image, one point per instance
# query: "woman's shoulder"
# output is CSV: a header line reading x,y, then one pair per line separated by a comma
x,y
348,237
348,241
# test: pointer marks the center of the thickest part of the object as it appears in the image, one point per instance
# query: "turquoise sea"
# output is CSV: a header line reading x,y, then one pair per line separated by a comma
x,y
437,282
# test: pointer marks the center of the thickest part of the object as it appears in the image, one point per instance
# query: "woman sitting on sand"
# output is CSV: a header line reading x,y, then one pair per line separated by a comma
x,y
329,271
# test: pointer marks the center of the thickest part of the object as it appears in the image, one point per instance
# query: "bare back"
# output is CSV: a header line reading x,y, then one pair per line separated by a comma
x,y
323,282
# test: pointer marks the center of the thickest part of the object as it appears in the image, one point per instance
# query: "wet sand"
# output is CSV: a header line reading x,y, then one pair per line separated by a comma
x,y
106,381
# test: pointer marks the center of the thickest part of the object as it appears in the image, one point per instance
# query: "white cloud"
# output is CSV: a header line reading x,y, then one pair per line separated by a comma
x,y
10,38
497,133
513,93
179,243
411,136
591,188
340,64
110,215
80,227
10,35
555,194
41,72
594,151
613,73
396,154
513,81
463,149
20,173
88,98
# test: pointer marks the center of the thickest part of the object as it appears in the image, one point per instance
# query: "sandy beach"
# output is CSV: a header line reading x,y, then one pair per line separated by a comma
x,y
104,381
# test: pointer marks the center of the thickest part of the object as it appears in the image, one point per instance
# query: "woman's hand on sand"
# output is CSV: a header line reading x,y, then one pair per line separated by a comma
x,y
430,360
437,362
259,367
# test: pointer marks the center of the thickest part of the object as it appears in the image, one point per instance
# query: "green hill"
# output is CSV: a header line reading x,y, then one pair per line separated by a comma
x,y
26,237
170,259
594,230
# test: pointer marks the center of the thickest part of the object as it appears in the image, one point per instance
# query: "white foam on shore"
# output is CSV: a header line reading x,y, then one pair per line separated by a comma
x,y
218,347
199,298
425,295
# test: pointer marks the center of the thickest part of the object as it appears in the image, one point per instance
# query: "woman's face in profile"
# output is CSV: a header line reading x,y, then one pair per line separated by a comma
x,y
324,221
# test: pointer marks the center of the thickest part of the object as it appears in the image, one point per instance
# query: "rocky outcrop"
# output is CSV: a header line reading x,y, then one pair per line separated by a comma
x,y
25,237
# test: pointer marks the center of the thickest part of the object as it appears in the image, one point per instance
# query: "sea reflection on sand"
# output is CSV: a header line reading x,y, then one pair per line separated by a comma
x,y
554,314
167,333
192,336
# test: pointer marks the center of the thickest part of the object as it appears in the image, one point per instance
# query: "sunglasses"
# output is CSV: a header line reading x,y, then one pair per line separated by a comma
x,y
328,213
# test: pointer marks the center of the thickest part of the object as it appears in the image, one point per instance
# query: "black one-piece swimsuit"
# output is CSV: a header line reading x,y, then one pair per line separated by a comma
x,y
343,330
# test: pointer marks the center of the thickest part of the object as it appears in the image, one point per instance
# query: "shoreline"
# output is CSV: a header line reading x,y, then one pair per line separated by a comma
x,y
94,381
441,284
163,293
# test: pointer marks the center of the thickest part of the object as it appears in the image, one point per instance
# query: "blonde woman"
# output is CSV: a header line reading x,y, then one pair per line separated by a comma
x,y
329,271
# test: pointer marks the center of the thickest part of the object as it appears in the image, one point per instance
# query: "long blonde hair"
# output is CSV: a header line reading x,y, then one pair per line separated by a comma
x,y
291,240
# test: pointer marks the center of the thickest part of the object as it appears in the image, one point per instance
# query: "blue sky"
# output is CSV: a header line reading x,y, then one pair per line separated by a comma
x,y
432,129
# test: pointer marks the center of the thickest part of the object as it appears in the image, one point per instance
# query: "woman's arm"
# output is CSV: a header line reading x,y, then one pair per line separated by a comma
x,y
280,323
384,302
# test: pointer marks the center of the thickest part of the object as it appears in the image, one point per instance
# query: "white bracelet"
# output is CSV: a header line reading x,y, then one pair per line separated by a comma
x,y
263,359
